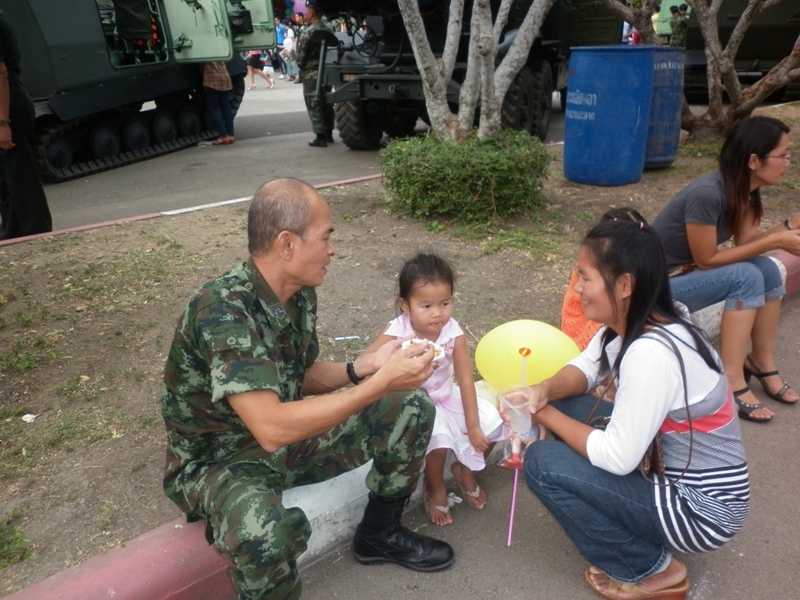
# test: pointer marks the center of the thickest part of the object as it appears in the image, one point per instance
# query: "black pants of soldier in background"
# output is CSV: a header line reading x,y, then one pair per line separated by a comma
x,y
23,204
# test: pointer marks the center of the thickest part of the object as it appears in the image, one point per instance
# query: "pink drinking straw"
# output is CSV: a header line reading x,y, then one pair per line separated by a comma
x,y
525,352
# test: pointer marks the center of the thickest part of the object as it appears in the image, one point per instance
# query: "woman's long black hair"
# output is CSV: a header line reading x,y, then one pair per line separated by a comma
x,y
620,247
754,135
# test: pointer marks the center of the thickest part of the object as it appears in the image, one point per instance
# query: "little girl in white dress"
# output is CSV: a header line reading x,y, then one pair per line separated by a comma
x,y
465,424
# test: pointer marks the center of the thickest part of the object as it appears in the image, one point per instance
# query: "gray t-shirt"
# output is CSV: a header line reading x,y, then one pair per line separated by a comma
x,y
702,202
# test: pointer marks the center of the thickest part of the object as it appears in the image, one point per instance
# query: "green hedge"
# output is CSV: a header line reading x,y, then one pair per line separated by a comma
x,y
470,181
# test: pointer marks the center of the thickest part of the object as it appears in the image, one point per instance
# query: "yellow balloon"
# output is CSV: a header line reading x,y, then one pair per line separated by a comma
x,y
542,348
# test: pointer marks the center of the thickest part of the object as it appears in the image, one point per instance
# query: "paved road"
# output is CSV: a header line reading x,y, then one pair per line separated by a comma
x,y
542,563
272,129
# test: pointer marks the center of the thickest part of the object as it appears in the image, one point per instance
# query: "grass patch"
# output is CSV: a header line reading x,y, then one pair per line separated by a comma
x,y
13,545
700,149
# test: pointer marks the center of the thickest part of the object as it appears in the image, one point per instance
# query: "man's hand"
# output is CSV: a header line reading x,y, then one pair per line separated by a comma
x,y
406,370
6,142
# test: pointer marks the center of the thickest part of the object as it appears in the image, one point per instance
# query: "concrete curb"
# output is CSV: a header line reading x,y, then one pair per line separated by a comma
x,y
174,561
169,213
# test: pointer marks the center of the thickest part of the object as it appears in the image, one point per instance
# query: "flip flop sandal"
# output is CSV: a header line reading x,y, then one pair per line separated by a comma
x,y
761,376
746,409
674,592
476,493
452,500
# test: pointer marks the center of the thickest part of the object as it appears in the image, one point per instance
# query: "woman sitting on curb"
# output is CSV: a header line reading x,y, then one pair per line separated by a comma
x,y
713,209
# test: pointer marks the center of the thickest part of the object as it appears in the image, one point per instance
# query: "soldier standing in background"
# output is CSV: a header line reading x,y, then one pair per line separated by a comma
x,y
319,111
23,204
679,23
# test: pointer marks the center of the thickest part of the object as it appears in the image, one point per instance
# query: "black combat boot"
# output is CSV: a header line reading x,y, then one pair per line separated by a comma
x,y
381,538
329,137
319,141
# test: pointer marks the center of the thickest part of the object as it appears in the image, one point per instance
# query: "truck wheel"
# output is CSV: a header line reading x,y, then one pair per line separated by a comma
x,y
542,99
358,130
517,109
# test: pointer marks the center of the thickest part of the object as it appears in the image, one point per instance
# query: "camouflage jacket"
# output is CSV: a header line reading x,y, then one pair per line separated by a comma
x,y
308,52
678,25
234,336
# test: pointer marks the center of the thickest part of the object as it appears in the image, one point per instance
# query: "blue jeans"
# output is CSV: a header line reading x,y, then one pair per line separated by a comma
x,y
219,107
743,285
611,518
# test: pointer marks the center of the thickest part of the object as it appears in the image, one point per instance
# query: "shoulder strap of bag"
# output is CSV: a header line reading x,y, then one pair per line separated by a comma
x,y
666,336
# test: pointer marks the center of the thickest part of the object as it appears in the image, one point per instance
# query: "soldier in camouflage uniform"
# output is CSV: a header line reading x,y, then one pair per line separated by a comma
x,y
240,429
320,112
679,24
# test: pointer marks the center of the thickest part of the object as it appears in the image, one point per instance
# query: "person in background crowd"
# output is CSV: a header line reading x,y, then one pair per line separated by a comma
x,y
678,25
23,204
280,37
218,85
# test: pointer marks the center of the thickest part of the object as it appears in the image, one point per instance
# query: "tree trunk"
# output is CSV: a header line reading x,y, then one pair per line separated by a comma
x,y
483,81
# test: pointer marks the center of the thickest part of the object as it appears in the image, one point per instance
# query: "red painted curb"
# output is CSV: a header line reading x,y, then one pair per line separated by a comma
x,y
79,228
171,562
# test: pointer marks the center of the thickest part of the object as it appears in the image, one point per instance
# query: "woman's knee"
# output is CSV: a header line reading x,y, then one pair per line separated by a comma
x,y
543,457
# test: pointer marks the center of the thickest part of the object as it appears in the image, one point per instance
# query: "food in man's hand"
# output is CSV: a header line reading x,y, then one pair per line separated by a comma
x,y
438,351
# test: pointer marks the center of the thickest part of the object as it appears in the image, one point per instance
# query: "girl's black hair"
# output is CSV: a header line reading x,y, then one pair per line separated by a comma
x,y
623,213
422,270
754,135
620,247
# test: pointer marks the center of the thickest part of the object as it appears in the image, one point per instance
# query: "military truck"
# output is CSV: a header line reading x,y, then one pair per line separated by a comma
x,y
118,81
769,39
377,87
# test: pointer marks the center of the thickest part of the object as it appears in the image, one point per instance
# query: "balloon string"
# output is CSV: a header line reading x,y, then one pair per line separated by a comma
x,y
513,507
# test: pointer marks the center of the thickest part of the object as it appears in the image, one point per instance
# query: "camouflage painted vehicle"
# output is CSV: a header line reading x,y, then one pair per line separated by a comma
x,y
117,81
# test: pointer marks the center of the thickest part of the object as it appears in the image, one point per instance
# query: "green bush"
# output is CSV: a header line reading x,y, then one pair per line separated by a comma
x,y
470,181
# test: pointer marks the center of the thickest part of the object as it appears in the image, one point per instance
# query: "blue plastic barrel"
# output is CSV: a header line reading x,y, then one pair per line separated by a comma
x,y
664,133
609,93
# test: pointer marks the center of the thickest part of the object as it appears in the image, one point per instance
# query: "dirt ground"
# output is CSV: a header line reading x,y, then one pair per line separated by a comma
x,y
86,320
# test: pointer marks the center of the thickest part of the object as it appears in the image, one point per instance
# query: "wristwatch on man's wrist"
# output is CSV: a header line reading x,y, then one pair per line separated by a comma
x,y
788,225
5,122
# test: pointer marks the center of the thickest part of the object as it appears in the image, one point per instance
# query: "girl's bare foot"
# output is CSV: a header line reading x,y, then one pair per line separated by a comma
x,y
472,492
674,574
437,506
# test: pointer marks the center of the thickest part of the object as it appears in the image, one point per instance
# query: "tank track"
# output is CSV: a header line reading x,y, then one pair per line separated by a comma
x,y
96,165
79,131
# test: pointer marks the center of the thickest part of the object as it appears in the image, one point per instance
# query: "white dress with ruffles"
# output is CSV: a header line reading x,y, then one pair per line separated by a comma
x,y
449,426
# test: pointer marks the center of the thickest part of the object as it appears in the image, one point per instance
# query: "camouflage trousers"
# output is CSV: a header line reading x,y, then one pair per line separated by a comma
x,y
319,111
242,503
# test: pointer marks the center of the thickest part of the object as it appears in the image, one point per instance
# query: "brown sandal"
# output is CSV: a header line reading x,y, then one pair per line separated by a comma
x,y
674,592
